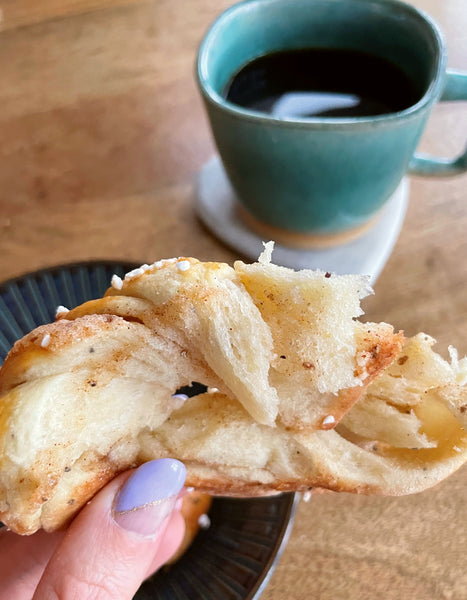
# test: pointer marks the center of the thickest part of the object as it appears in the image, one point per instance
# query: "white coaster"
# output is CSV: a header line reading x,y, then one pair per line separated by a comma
x,y
215,203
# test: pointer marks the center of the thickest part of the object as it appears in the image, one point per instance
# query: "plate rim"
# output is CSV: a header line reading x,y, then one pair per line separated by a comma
x,y
105,262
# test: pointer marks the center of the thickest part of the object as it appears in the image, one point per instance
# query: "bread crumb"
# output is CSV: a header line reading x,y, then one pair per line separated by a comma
x,y
45,340
306,496
116,282
329,420
137,272
204,521
183,265
459,366
266,255
61,310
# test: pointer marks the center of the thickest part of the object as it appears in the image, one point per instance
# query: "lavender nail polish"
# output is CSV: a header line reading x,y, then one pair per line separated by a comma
x,y
149,496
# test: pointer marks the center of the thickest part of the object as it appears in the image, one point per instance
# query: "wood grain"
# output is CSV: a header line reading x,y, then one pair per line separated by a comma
x,y
102,133
21,13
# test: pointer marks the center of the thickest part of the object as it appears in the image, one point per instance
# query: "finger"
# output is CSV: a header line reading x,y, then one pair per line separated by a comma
x,y
111,544
24,559
170,543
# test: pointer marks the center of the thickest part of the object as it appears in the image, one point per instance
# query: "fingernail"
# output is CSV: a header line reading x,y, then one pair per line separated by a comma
x,y
149,496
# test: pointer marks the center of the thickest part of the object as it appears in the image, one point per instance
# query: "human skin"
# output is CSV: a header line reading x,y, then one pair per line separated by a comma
x,y
105,554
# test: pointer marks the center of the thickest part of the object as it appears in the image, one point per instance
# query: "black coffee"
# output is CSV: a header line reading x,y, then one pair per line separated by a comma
x,y
321,82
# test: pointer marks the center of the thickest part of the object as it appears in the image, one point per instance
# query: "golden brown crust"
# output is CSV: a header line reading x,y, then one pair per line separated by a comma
x,y
50,339
376,350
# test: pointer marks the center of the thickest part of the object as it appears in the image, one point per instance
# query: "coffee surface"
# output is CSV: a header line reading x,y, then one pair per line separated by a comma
x,y
321,82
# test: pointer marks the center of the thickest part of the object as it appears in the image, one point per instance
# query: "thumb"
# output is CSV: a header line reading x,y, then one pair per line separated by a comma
x,y
113,543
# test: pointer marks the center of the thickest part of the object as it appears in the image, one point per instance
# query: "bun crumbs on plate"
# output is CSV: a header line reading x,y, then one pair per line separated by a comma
x,y
300,394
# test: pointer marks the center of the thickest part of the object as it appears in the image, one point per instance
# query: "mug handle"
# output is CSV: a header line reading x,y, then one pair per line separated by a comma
x,y
455,88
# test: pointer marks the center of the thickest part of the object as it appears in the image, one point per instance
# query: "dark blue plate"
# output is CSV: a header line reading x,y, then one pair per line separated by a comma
x,y
232,559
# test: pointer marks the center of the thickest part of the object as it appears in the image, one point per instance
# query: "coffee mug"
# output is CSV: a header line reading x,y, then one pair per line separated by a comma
x,y
311,180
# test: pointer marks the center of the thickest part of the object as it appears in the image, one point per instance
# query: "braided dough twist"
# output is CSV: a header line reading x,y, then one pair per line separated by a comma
x,y
299,393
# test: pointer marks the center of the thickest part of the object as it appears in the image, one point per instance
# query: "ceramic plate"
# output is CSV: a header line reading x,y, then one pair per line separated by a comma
x,y
232,559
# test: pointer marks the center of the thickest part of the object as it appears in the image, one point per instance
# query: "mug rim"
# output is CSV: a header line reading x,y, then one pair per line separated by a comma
x,y
234,110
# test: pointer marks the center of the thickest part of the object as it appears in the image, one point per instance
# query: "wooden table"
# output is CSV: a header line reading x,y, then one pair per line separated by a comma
x,y
102,134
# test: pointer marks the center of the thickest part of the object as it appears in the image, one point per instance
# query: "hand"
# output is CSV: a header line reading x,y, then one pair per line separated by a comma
x,y
129,529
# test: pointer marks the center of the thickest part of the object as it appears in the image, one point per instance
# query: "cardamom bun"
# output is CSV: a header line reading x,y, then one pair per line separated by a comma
x,y
299,393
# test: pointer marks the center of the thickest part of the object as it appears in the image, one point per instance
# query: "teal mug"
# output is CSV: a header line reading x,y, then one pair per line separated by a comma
x,y
320,179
